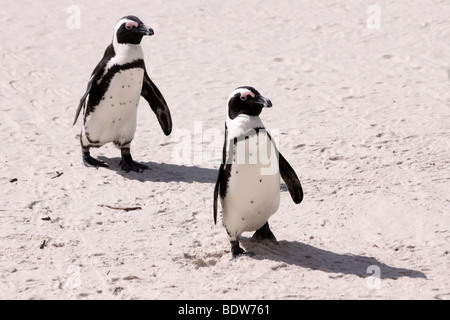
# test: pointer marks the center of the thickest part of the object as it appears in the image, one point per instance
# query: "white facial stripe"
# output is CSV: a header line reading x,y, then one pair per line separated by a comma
x,y
121,22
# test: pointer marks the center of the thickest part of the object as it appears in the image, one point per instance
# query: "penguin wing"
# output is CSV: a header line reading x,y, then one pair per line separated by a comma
x,y
221,176
83,99
290,178
216,191
96,74
159,106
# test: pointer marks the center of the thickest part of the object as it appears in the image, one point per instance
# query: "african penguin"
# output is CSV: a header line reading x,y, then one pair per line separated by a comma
x,y
112,96
248,182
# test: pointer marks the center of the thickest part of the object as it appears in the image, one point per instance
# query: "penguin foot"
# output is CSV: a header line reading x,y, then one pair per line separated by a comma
x,y
264,234
128,164
236,250
92,162
132,166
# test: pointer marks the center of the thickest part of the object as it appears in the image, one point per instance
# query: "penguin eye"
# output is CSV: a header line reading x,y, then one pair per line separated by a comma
x,y
130,25
245,95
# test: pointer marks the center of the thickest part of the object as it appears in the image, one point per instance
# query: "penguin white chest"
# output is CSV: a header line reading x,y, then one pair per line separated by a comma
x,y
253,192
114,119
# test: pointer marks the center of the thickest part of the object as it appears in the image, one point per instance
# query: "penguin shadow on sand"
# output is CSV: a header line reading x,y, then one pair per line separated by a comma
x,y
314,258
163,172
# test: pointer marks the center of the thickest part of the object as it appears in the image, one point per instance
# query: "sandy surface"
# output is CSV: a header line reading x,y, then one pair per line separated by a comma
x,y
363,115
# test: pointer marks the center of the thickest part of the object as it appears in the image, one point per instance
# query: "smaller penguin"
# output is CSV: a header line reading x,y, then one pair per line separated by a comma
x,y
112,96
248,182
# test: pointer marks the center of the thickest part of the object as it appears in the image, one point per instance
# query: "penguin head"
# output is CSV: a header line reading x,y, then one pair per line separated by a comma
x,y
246,100
130,30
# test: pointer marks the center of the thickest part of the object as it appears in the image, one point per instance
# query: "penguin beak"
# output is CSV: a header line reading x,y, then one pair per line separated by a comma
x,y
145,31
264,102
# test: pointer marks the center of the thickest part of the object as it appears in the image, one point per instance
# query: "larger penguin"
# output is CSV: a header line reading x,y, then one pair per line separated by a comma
x,y
111,100
248,182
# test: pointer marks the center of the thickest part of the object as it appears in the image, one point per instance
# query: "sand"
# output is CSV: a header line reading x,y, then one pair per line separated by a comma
x,y
361,107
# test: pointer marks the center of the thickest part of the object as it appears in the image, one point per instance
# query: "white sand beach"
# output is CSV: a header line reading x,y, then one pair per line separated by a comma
x,y
361,107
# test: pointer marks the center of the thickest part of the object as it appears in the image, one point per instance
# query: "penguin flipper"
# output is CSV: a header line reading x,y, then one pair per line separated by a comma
x,y
159,106
83,99
290,178
96,75
221,175
216,193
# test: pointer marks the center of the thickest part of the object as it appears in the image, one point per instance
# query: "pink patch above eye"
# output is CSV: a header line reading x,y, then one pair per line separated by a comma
x,y
130,24
245,94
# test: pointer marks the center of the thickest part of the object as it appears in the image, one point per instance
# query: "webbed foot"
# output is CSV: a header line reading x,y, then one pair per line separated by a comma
x,y
236,250
92,162
264,234
128,164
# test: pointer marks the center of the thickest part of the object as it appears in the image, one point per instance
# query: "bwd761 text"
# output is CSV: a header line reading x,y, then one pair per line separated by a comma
x,y
227,309
245,309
